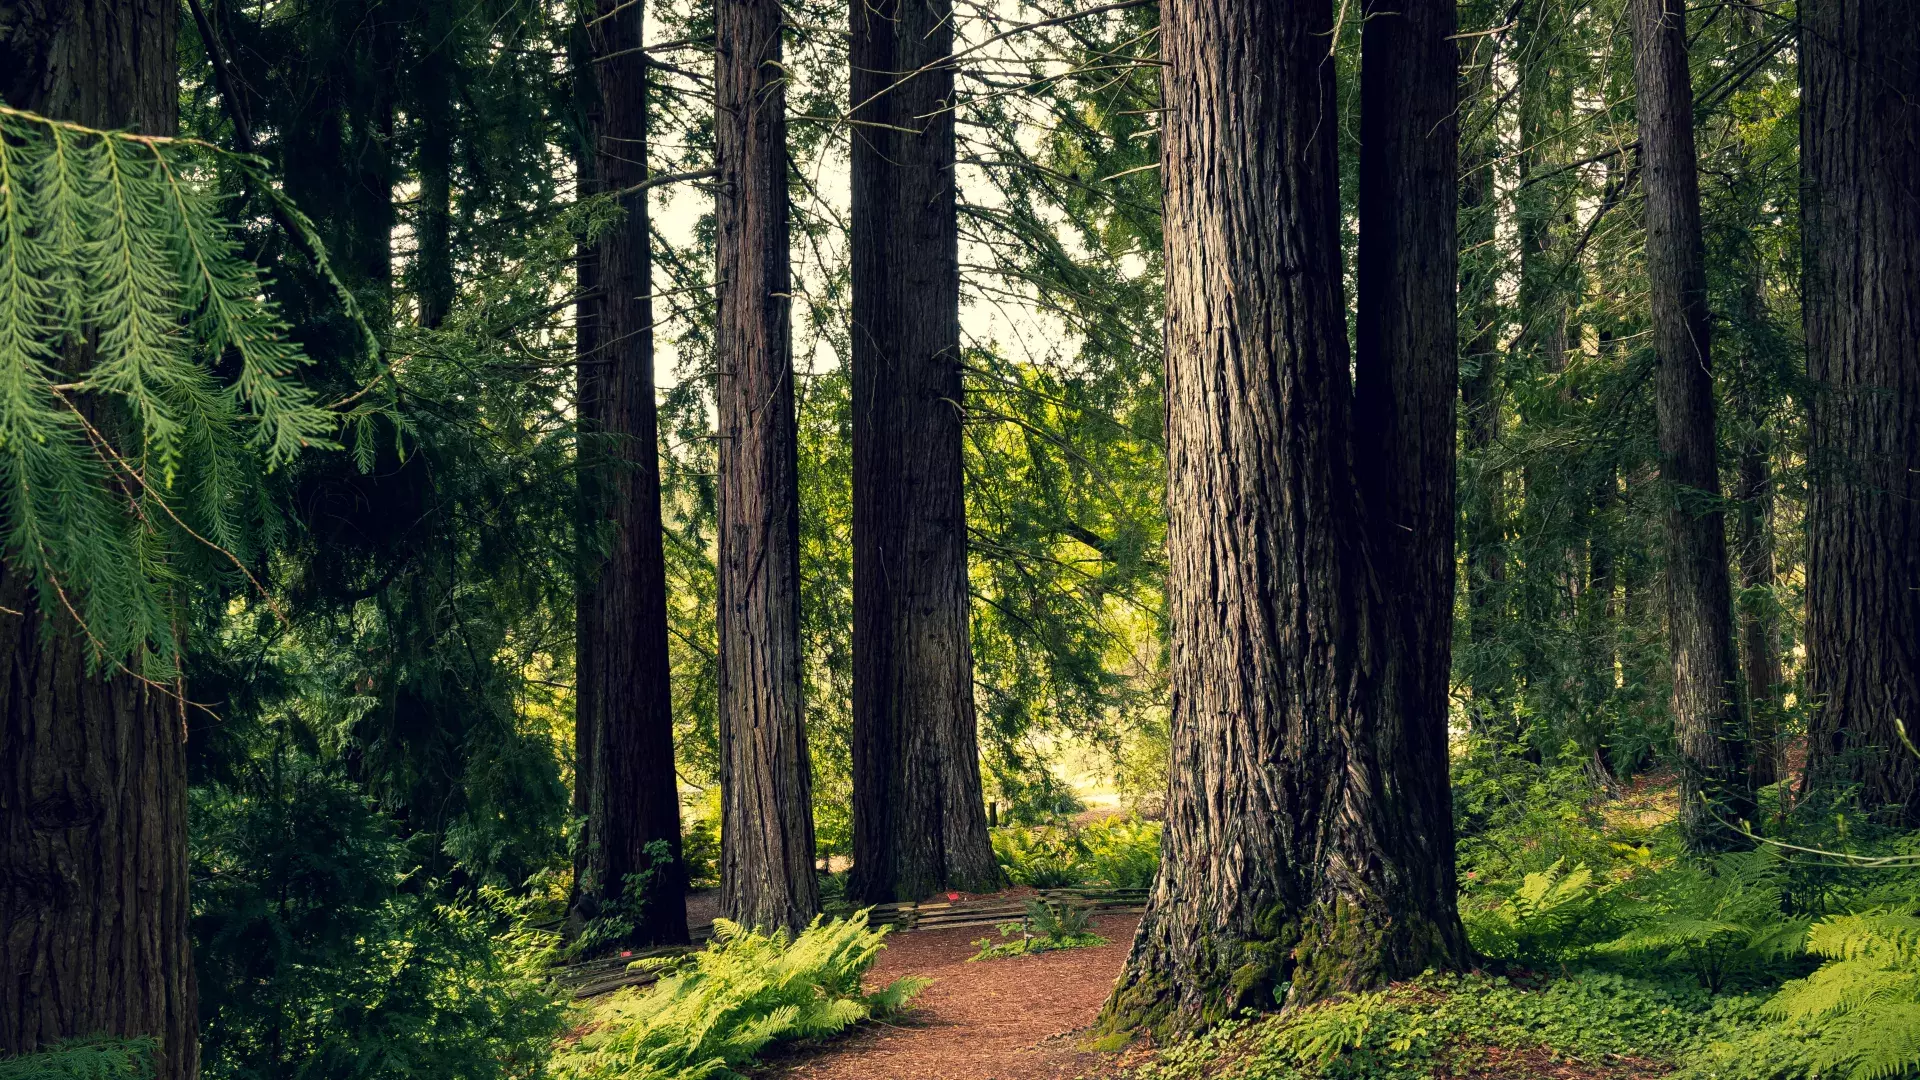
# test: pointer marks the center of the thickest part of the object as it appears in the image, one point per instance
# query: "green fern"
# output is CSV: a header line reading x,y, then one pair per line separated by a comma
x,y
146,383
1863,1004
715,1013
1715,922
103,1058
1554,914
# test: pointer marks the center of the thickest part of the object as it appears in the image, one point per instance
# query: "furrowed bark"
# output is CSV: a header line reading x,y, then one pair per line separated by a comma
x,y
1387,903
1272,643
919,816
624,721
766,845
93,783
1859,124
1707,717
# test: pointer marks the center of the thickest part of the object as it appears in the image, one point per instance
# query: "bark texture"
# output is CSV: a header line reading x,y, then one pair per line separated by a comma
x,y
766,838
624,720
919,819
93,786
1707,716
1283,855
1859,130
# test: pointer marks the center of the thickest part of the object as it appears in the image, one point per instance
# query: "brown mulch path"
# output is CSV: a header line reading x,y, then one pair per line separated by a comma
x,y
1018,1018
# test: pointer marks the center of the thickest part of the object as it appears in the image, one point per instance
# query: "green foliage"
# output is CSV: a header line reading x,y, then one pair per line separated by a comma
x,y
1045,928
1862,1006
1117,853
319,956
1718,921
1554,914
101,1058
1446,1025
615,923
716,1012
146,385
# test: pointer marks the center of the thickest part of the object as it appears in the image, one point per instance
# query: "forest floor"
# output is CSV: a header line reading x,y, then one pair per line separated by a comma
x,y
1018,1018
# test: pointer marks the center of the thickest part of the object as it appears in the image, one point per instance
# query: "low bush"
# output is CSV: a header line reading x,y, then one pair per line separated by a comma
x,y
1045,928
712,1013
1115,853
104,1058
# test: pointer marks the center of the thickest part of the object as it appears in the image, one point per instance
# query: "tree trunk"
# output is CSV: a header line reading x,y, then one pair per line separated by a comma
x,y
1286,770
433,234
1706,703
1759,646
624,719
1483,514
1543,105
93,782
1392,839
919,816
1859,124
766,837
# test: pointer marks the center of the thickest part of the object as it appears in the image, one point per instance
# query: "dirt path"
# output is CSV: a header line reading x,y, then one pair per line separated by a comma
x,y
1012,1019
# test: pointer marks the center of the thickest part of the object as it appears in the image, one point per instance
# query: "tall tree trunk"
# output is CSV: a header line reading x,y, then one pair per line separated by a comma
x,y
1859,124
1390,873
1543,99
1288,773
919,815
1759,647
1484,510
93,782
766,837
1706,702
624,712
433,232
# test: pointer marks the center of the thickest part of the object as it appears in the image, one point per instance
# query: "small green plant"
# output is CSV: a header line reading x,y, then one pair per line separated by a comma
x,y
103,1058
1045,928
615,923
1863,1005
1040,856
1116,853
1121,853
1555,914
1715,921
712,1014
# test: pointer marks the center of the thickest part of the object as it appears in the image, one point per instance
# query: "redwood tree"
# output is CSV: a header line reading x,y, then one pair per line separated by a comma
x,y
1281,861
919,816
766,835
93,783
1707,716
623,721
1859,125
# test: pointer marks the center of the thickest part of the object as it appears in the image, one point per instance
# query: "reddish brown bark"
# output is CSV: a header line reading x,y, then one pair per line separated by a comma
x,y
93,786
766,842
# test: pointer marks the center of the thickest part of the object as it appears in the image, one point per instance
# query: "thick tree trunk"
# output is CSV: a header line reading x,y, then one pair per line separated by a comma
x,y
1706,701
1391,843
1859,124
919,815
1287,773
624,720
766,839
93,782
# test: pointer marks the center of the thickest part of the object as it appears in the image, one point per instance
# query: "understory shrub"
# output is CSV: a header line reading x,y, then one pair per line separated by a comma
x,y
103,1058
711,1013
1045,928
1115,853
1717,921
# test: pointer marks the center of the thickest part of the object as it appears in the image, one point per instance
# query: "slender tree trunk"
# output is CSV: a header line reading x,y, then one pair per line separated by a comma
x,y
919,816
1484,511
1759,646
766,838
1859,124
624,718
1392,822
1706,702
1289,775
1542,95
433,232
93,782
